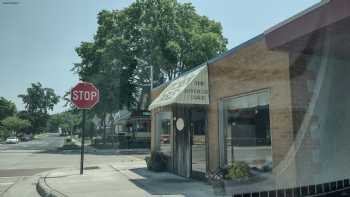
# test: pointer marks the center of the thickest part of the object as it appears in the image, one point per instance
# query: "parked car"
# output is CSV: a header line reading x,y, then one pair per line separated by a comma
x,y
26,138
12,140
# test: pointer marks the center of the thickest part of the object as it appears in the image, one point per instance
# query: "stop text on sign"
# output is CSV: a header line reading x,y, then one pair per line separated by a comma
x,y
85,95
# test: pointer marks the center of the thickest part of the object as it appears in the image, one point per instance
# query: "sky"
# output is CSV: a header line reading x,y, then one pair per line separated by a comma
x,y
38,37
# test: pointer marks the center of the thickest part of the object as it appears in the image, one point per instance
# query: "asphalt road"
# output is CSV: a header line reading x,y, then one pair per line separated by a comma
x,y
26,159
13,155
47,142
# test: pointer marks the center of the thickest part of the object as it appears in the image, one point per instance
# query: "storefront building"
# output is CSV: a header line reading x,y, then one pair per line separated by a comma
x,y
179,119
278,102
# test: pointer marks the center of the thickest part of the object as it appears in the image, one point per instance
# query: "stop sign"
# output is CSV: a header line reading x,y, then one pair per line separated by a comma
x,y
84,95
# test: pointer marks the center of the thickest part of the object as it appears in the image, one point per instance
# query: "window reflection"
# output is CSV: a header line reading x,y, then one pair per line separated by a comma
x,y
247,130
164,127
198,127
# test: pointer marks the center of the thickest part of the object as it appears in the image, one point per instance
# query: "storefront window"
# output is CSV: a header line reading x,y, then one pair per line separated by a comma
x,y
246,127
164,125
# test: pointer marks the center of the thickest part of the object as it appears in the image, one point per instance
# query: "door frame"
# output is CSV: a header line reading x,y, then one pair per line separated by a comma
x,y
184,112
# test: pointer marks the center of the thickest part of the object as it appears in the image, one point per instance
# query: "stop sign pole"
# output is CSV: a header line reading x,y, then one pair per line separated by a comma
x,y
84,96
82,151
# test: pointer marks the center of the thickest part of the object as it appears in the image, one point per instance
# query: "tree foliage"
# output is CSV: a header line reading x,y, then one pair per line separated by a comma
x,y
39,99
15,124
68,121
7,108
166,34
54,123
38,102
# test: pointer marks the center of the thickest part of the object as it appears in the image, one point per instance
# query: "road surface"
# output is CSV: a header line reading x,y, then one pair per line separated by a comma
x,y
23,160
50,141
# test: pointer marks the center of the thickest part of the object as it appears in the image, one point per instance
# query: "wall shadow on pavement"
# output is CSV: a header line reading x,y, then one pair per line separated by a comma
x,y
77,152
164,183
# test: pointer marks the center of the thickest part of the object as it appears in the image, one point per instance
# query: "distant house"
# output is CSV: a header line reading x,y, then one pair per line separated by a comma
x,y
136,125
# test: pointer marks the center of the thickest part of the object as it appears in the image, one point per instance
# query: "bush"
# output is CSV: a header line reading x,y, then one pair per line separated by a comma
x,y
238,170
103,146
157,162
97,140
70,146
68,140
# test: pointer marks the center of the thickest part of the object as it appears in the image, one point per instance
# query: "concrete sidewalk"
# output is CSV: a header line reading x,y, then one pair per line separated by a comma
x,y
25,186
129,179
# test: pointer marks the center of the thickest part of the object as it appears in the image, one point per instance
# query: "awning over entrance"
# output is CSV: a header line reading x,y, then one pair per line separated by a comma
x,y
191,88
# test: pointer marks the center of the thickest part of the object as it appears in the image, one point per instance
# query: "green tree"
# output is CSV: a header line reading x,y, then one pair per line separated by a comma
x,y
68,121
54,122
38,102
7,108
71,122
91,130
39,99
14,125
166,34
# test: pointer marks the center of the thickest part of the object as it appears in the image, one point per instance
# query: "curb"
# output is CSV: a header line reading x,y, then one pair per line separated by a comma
x,y
45,190
89,150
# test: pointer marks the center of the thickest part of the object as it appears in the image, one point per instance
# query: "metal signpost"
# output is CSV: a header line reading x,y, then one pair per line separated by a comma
x,y
84,96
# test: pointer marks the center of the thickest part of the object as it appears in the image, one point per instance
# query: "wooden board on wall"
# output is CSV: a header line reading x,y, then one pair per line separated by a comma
x,y
182,146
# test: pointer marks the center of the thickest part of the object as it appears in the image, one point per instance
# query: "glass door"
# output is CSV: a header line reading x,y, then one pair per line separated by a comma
x,y
198,118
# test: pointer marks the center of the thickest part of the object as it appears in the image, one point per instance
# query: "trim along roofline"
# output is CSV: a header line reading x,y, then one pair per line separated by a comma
x,y
215,59
320,16
296,16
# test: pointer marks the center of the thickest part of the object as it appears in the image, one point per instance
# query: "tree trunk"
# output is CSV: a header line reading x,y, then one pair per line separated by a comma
x,y
139,104
113,132
91,134
104,129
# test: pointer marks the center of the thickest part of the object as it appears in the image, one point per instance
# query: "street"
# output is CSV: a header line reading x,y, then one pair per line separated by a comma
x,y
17,160
23,160
49,142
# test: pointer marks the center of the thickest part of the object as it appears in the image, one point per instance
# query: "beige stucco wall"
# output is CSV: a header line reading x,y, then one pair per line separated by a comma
x,y
249,69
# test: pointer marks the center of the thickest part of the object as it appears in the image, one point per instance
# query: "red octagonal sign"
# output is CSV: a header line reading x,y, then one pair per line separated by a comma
x,y
84,95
